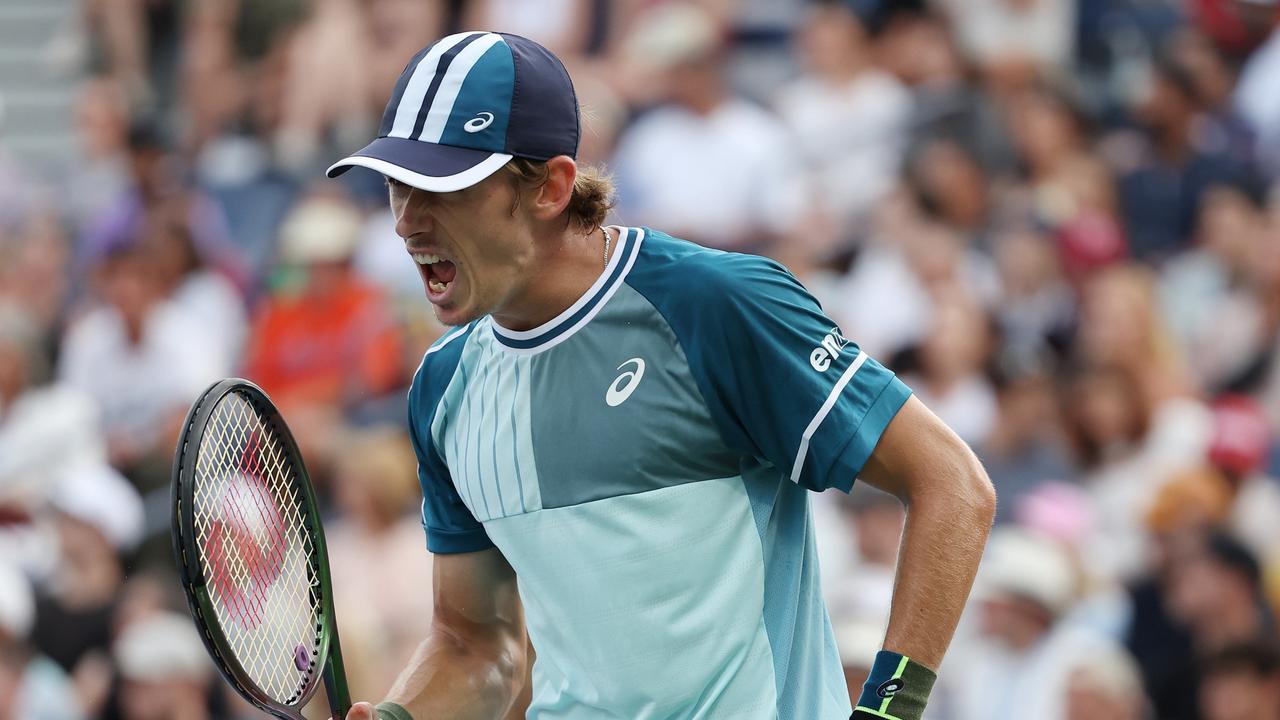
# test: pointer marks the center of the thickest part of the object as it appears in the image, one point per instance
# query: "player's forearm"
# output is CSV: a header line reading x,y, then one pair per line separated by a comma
x,y
947,526
467,678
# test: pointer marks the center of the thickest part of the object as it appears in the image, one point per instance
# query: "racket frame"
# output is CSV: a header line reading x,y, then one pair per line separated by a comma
x,y
191,571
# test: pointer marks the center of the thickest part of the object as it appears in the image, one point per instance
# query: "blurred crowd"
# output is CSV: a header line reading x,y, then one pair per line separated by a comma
x,y
1057,220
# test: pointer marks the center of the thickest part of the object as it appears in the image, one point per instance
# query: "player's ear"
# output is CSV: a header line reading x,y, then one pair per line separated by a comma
x,y
553,196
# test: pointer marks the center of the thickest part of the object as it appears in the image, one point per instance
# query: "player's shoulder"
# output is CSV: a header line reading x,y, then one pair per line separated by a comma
x,y
438,365
672,270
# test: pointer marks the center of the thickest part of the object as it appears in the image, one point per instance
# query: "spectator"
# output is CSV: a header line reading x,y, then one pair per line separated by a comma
x,y
859,592
102,126
918,47
951,378
1072,193
1107,686
325,345
47,431
858,640
1238,450
96,518
1209,294
1015,41
1214,76
1037,306
1242,682
1216,590
1126,450
1121,325
1020,663
950,183
384,600
566,27
325,93
157,188
32,687
1261,375
34,263
1024,448
142,358
849,120
1158,638
754,198
164,670
1161,191
1255,96
205,295
913,259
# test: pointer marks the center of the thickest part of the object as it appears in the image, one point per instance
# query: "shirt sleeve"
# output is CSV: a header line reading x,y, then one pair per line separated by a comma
x,y
450,526
778,375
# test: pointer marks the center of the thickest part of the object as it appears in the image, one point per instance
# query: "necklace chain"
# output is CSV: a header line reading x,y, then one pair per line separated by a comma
x,y
607,239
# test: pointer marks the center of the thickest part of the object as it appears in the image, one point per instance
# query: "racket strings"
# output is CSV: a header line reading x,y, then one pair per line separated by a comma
x,y
256,547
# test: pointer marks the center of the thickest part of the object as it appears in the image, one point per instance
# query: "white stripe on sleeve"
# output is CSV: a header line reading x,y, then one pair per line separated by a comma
x,y
830,402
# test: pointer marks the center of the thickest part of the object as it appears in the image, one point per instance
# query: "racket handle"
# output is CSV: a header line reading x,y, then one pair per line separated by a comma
x,y
335,682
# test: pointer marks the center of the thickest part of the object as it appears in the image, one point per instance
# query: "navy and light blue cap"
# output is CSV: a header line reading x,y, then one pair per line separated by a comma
x,y
467,104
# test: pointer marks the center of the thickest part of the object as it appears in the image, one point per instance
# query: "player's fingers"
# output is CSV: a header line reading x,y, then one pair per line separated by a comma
x,y
361,711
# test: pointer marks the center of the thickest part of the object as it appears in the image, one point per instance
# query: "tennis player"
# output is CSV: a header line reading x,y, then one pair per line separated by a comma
x,y
617,437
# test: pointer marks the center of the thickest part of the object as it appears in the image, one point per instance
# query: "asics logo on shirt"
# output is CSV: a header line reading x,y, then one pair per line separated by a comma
x,y
624,384
478,123
828,350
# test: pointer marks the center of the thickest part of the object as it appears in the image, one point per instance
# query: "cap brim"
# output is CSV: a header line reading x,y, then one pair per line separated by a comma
x,y
426,166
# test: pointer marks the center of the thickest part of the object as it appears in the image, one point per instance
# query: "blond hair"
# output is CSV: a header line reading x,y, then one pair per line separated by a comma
x,y
593,190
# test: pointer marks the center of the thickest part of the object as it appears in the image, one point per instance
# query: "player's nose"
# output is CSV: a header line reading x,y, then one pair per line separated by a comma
x,y
414,216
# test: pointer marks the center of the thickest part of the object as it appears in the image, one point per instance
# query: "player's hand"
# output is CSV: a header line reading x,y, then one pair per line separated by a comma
x,y
384,711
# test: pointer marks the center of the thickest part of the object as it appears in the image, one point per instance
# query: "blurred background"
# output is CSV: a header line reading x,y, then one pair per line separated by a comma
x,y
1058,220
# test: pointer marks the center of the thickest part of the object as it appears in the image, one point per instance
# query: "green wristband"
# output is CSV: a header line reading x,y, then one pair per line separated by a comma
x,y
391,711
896,689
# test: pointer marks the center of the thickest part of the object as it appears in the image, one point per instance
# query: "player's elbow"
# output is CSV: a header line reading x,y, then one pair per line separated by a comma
x,y
970,496
492,655
509,663
502,664
950,485
983,496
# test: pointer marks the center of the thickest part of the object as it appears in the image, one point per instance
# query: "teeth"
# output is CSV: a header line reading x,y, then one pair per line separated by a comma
x,y
437,286
426,259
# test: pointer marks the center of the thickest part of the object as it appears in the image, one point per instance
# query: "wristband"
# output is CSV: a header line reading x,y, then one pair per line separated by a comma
x,y
896,689
391,711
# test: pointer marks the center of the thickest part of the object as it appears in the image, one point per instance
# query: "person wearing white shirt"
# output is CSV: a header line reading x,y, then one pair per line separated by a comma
x,y
709,166
142,358
849,118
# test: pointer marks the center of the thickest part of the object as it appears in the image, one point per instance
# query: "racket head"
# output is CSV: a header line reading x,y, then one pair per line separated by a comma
x,y
250,549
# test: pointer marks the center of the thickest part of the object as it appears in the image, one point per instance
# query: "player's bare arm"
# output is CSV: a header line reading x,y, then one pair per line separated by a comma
x,y
472,665
950,508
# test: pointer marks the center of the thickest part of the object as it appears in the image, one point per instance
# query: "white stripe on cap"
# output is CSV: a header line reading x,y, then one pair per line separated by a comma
x,y
415,91
451,83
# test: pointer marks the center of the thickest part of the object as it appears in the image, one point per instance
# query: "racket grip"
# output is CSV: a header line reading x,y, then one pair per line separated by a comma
x,y
335,688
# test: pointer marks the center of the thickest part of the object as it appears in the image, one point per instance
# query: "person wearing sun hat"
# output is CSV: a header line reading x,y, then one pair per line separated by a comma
x,y
629,424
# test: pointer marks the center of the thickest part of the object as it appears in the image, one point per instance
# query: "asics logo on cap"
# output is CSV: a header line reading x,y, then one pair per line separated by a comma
x,y
479,122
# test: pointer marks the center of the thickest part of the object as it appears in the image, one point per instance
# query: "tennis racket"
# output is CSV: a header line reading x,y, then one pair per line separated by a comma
x,y
251,553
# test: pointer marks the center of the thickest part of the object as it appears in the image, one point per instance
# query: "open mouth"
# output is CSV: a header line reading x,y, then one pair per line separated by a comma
x,y
436,271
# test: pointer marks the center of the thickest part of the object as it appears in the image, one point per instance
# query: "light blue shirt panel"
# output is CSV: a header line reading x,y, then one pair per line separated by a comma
x,y
647,606
482,429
